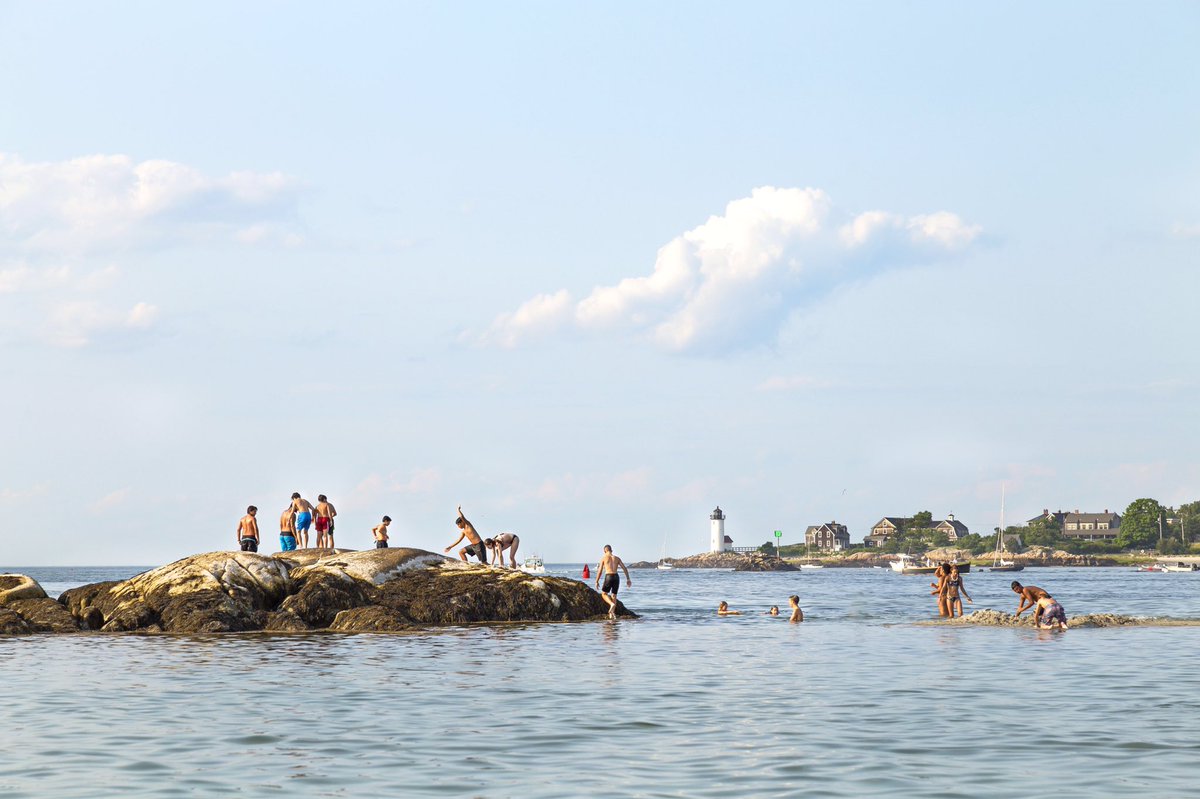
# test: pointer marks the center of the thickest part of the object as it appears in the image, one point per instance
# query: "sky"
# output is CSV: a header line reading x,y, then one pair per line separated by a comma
x,y
589,270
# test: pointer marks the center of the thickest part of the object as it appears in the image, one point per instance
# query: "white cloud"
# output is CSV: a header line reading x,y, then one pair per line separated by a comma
x,y
571,487
15,496
732,281
375,487
107,201
1182,231
76,323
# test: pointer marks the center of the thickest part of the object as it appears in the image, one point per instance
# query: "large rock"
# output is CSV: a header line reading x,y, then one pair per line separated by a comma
x,y
19,586
379,590
738,561
213,592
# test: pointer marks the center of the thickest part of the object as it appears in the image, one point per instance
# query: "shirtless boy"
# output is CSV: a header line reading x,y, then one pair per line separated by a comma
x,y
1050,613
304,513
247,531
607,568
380,533
797,613
1029,595
504,541
287,530
324,513
467,531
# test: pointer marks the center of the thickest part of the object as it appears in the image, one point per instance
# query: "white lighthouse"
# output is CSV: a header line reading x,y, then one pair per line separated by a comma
x,y
717,531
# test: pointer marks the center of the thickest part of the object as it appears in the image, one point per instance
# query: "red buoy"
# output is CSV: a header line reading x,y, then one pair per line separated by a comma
x,y
586,573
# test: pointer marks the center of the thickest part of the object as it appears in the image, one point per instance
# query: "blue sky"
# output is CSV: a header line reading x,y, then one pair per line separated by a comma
x,y
590,269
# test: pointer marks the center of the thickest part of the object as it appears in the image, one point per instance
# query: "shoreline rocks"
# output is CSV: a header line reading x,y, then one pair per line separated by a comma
x,y
998,618
738,561
378,590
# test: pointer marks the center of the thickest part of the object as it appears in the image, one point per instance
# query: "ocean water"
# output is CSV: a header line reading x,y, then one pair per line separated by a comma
x,y
856,701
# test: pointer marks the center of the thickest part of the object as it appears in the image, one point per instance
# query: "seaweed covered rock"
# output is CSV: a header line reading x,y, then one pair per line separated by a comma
x,y
19,586
213,592
998,618
379,590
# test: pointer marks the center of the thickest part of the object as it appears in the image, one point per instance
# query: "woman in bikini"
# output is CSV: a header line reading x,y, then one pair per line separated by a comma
x,y
954,587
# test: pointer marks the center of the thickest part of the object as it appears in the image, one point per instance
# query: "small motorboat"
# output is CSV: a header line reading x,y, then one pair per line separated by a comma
x,y
812,566
1179,567
1153,567
533,565
664,566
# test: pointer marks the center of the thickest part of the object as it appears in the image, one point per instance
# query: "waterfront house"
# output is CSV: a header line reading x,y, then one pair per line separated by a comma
x,y
1091,526
888,526
830,536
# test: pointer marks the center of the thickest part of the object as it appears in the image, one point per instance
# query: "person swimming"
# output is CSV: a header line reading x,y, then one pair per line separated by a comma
x,y
723,610
774,611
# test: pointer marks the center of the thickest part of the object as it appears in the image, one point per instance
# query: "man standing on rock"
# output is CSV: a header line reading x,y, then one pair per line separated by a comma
x,y
304,513
324,513
476,548
607,569
247,531
287,530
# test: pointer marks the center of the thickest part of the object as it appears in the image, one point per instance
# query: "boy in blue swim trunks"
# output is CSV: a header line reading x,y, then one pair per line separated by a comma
x,y
287,530
304,516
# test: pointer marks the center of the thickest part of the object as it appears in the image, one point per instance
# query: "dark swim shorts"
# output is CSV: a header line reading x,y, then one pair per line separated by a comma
x,y
478,551
249,545
381,545
611,583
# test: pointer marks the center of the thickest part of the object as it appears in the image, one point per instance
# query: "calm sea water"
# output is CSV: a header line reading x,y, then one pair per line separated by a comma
x,y
857,701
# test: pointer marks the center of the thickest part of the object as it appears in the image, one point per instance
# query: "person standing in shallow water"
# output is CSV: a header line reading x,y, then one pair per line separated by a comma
x,y
247,531
467,531
380,533
797,613
287,530
953,587
607,569
941,574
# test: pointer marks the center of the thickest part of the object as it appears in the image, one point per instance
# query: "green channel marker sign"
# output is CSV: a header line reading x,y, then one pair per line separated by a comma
x,y
779,533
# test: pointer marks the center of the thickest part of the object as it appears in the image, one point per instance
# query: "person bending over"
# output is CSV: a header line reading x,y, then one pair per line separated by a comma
x,y
467,531
1049,614
1029,595
502,542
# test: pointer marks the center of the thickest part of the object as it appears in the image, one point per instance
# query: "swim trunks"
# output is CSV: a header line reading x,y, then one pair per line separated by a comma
x,y
611,583
381,545
479,551
1054,612
322,524
249,545
287,542
303,522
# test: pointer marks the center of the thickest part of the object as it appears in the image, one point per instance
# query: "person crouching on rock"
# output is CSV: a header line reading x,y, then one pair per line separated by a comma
x,y
247,531
607,568
380,533
502,542
1050,614
723,610
468,532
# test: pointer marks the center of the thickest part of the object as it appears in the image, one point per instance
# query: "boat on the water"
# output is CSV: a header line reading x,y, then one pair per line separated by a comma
x,y
533,565
664,566
812,566
907,564
1179,567
1151,567
999,564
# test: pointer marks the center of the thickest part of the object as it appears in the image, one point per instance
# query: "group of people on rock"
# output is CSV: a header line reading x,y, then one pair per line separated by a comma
x,y
295,522
723,609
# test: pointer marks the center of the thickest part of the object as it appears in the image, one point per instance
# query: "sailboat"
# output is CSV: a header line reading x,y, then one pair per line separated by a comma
x,y
663,565
999,564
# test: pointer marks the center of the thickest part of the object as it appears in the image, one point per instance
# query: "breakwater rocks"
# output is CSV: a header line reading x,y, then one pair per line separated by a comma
x,y
997,618
738,561
379,590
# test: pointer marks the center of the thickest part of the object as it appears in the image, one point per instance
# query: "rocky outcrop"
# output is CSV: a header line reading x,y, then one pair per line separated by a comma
x,y
18,586
998,618
379,590
24,608
738,561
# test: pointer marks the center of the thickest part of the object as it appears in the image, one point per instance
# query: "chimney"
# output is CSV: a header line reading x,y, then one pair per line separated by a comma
x,y
1106,511
1045,511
